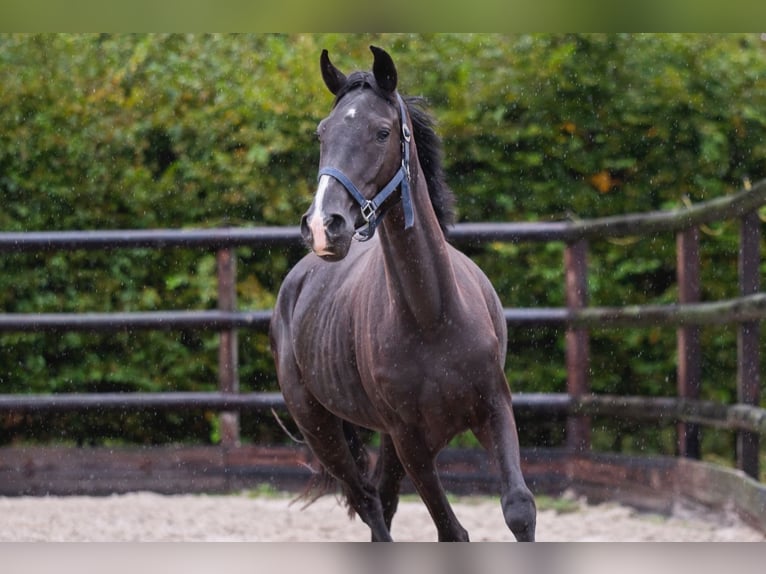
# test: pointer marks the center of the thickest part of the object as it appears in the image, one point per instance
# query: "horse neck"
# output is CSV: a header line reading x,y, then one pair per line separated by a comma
x,y
417,263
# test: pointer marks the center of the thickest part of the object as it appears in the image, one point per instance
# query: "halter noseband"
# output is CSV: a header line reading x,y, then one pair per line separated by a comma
x,y
371,207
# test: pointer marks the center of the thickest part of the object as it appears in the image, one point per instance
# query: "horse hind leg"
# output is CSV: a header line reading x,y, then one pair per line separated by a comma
x,y
498,436
389,473
327,437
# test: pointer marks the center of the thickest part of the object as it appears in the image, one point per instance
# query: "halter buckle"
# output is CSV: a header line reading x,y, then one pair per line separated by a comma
x,y
368,210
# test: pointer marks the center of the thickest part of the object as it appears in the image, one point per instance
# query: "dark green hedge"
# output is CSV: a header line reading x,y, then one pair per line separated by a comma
x,y
104,132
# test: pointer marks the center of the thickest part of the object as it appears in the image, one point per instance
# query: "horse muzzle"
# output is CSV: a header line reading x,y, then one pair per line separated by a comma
x,y
327,235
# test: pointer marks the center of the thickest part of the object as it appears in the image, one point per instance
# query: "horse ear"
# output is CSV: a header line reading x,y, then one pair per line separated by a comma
x,y
384,70
333,78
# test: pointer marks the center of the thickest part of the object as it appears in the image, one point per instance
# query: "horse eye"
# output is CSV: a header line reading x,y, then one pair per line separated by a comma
x,y
383,134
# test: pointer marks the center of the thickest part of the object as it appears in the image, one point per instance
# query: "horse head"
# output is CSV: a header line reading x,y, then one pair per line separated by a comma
x,y
364,158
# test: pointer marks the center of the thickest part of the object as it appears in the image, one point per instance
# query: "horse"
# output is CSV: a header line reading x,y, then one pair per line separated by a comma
x,y
384,325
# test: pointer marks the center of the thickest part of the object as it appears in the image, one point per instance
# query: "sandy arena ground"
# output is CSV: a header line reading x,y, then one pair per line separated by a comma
x,y
247,518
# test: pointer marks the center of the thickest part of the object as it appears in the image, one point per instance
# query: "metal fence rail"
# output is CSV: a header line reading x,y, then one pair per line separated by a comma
x,y
737,310
672,221
747,311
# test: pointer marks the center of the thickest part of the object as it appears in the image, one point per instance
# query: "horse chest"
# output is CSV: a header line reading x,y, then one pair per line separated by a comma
x,y
409,369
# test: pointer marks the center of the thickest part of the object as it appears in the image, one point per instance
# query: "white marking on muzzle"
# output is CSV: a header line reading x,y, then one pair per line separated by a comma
x,y
316,223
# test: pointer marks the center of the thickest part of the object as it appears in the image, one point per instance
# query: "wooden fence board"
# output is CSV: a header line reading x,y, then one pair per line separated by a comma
x,y
647,483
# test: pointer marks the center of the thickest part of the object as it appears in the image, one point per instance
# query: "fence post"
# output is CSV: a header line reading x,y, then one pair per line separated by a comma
x,y
228,378
577,341
748,335
689,368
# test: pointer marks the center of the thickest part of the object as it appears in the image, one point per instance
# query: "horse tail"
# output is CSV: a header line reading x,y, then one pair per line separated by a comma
x,y
322,482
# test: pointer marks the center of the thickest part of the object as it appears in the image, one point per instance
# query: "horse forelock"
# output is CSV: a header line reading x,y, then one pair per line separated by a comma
x,y
359,81
428,143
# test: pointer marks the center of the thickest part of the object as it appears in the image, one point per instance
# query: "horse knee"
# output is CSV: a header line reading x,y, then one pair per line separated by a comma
x,y
520,514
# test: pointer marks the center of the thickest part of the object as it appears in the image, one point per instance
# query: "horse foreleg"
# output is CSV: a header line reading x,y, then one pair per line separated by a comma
x,y
419,463
327,440
325,435
498,435
389,473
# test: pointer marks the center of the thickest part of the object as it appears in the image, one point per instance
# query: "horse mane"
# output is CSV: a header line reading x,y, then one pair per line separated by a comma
x,y
428,144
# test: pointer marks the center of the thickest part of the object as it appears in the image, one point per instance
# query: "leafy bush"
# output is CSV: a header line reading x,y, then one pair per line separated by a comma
x,y
104,132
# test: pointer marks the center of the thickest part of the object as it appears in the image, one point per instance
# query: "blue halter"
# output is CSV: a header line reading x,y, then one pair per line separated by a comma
x,y
371,207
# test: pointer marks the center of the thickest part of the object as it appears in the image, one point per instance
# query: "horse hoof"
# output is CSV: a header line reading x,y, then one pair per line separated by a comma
x,y
520,515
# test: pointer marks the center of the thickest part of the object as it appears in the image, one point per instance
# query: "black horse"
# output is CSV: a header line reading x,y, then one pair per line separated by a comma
x,y
397,332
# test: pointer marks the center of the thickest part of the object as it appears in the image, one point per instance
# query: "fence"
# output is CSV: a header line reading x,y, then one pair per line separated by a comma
x,y
578,404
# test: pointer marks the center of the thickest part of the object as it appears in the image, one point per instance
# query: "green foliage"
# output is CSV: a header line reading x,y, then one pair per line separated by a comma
x,y
561,505
149,131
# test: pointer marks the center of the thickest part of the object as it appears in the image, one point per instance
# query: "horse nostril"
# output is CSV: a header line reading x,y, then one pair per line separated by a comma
x,y
305,229
335,224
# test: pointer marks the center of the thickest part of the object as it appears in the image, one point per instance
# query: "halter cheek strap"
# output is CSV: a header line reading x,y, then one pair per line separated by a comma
x,y
371,207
